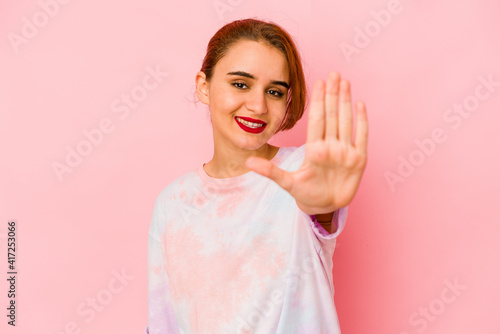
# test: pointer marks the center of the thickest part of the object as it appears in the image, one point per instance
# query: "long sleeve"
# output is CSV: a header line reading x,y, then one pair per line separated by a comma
x,y
161,317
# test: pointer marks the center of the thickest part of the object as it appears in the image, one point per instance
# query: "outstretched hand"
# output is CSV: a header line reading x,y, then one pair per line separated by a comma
x,y
333,164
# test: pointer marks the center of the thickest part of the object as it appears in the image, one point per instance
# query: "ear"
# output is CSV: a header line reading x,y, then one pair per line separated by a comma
x,y
202,87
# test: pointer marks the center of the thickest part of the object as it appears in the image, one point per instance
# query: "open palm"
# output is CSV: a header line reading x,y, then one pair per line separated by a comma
x,y
333,163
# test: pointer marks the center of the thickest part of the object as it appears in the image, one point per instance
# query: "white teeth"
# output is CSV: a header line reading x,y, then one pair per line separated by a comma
x,y
249,124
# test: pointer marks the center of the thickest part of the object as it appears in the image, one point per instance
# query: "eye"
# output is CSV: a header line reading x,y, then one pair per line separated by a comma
x,y
239,85
276,93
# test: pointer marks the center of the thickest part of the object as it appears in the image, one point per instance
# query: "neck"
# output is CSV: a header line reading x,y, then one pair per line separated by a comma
x,y
230,161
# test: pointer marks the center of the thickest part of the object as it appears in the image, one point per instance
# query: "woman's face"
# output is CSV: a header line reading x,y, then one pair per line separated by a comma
x,y
250,81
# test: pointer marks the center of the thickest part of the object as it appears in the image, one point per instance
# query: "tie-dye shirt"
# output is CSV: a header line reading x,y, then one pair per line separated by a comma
x,y
237,255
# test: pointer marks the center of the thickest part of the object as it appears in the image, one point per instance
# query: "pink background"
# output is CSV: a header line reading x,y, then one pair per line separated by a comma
x,y
403,245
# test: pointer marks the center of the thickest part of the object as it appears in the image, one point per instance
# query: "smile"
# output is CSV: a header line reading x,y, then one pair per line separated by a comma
x,y
249,124
252,127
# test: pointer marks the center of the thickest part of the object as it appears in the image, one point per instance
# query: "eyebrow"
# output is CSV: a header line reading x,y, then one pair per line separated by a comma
x,y
248,75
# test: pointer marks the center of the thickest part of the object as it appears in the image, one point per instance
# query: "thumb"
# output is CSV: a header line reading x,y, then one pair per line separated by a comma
x,y
266,168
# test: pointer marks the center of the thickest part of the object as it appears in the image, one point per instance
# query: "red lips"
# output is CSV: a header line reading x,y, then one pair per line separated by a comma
x,y
249,129
248,119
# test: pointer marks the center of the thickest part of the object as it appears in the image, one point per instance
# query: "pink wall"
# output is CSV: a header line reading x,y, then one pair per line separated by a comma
x,y
420,251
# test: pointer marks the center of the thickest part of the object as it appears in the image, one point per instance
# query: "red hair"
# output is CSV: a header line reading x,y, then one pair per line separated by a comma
x,y
274,36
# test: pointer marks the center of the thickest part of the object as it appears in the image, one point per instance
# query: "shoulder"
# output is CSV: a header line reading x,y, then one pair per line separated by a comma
x,y
175,189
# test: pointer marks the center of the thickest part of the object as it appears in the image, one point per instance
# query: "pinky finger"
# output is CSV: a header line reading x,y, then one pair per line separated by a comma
x,y
361,139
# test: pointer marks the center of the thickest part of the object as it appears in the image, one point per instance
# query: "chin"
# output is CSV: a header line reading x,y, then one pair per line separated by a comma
x,y
252,145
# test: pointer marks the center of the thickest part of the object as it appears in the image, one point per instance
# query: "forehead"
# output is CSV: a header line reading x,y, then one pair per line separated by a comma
x,y
263,61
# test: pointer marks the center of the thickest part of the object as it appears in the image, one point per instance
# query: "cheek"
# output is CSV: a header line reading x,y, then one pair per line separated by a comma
x,y
225,101
280,113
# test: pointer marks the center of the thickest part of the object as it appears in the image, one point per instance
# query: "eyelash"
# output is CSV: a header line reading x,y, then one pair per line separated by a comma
x,y
235,84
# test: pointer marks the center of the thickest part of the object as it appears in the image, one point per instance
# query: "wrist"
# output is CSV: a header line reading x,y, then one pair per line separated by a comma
x,y
316,211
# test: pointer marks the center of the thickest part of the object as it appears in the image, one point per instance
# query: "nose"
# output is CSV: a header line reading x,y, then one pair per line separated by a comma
x,y
256,102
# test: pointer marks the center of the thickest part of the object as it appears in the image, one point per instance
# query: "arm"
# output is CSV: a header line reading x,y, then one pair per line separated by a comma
x,y
161,317
325,220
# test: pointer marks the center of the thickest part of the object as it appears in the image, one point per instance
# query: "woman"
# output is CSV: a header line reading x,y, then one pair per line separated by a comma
x,y
244,243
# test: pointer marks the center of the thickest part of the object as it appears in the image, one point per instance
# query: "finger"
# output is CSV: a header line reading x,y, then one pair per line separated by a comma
x,y
345,112
266,168
316,118
361,136
331,105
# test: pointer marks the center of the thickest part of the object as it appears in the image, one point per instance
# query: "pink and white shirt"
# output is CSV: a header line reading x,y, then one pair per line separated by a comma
x,y
237,255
